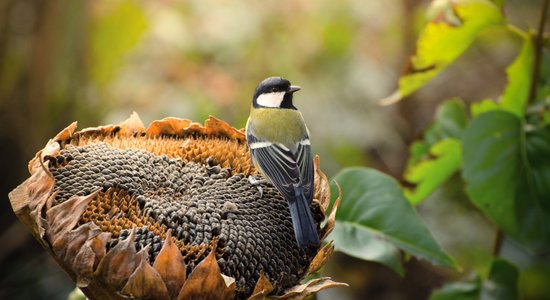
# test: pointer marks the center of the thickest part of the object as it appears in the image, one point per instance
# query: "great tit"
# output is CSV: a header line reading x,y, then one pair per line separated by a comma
x,y
280,149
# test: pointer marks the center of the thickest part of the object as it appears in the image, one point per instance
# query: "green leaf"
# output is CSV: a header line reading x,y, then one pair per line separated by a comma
x,y
468,290
417,151
452,28
433,160
515,97
538,154
486,105
516,94
506,173
374,219
364,243
449,122
502,283
113,34
431,173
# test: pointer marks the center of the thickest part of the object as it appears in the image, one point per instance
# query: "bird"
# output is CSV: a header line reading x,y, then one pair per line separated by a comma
x,y
280,149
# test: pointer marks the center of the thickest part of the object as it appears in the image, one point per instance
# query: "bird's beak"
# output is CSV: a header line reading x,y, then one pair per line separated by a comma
x,y
294,88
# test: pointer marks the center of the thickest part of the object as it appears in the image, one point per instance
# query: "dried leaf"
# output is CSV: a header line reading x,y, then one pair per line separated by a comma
x,y
131,125
171,267
311,287
321,258
66,133
262,289
30,197
70,244
99,245
216,127
167,126
145,282
206,282
331,220
321,186
119,262
63,217
87,258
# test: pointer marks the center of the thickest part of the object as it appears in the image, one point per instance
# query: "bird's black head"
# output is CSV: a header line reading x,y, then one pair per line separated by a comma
x,y
274,92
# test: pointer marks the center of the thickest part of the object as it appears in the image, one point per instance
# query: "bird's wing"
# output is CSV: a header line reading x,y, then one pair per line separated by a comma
x,y
285,167
304,158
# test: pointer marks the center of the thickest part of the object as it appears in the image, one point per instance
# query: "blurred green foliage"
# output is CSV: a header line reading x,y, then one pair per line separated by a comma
x,y
97,61
110,42
503,153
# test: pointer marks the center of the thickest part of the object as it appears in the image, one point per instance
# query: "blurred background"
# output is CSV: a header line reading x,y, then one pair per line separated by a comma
x,y
96,62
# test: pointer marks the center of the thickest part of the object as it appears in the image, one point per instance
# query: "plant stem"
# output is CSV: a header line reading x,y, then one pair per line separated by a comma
x,y
498,242
538,53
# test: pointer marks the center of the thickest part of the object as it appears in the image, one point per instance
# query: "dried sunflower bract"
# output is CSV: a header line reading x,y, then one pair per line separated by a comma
x,y
167,212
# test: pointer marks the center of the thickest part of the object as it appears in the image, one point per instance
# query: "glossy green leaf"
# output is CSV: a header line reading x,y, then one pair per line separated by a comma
x,y
418,151
429,174
538,154
363,243
516,94
506,172
502,283
449,122
458,291
438,156
113,34
374,219
452,28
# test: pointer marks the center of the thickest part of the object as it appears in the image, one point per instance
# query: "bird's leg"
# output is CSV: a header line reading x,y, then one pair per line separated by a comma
x,y
257,182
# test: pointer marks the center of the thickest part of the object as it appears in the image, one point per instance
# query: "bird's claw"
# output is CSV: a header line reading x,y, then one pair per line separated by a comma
x,y
257,182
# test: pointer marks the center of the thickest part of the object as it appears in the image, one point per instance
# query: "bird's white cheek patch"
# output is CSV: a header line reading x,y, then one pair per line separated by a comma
x,y
271,99
260,145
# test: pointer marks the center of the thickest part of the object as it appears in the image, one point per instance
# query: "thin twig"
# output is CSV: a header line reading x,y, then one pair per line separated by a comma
x,y
538,43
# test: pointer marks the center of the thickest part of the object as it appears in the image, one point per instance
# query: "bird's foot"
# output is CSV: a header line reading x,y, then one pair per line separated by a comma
x,y
257,182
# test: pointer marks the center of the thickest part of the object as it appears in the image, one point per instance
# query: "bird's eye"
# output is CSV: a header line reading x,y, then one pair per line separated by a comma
x,y
273,90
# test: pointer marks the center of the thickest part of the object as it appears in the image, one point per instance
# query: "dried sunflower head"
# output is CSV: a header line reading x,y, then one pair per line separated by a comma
x,y
167,212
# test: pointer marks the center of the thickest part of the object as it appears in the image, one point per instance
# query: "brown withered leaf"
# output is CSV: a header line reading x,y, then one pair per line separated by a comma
x,y
66,133
131,125
63,217
29,199
216,127
167,126
171,266
331,220
68,246
99,245
145,281
321,258
119,262
87,258
321,186
262,289
206,282
308,288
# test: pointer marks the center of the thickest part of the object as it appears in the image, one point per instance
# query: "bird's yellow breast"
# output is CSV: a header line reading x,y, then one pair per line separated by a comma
x,y
284,126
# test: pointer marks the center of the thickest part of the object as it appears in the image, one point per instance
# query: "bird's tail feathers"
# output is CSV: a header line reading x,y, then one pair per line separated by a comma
x,y
302,220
